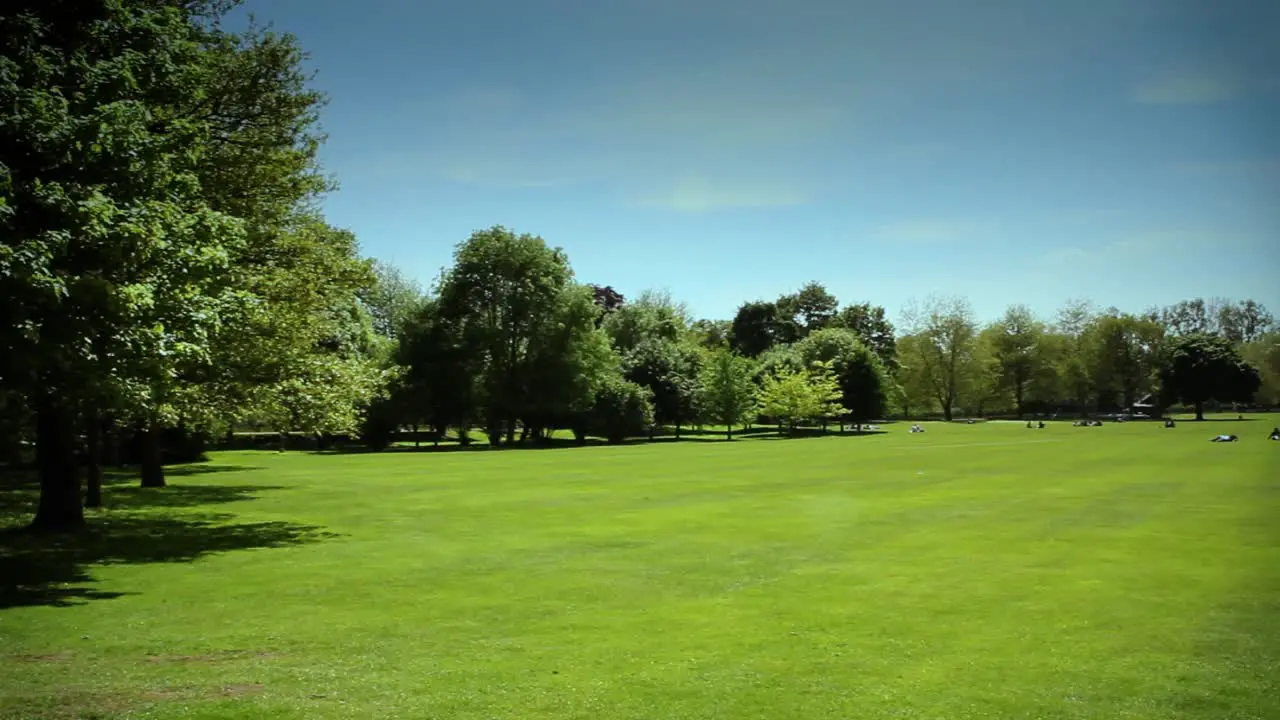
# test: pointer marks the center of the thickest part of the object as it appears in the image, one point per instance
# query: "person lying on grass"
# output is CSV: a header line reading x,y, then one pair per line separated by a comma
x,y
1225,438
1275,433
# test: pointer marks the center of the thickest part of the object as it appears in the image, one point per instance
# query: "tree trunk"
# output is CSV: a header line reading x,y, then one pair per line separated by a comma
x,y
728,431
110,442
417,441
677,429
1018,401
946,413
61,508
1199,409
152,469
93,461
511,431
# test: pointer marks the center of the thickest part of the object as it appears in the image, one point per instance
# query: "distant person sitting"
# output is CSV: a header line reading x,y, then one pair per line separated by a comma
x,y
917,428
1041,425
1275,434
1225,438
1170,423
1029,425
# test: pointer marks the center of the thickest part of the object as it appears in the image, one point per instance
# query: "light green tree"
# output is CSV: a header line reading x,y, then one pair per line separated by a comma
x,y
728,394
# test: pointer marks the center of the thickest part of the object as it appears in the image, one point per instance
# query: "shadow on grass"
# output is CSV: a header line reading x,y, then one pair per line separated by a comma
x,y
43,570
797,434
19,496
559,443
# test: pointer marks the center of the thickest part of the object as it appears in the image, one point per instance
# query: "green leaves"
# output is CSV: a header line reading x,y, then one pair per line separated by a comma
x,y
1204,367
727,392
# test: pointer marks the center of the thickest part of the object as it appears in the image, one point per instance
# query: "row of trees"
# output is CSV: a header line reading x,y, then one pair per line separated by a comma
x,y
1085,360
165,269
509,342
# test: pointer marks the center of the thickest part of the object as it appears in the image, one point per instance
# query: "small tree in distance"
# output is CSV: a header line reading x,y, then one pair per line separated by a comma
x,y
727,393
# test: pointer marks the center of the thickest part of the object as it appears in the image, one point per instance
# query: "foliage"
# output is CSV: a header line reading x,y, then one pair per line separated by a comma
x,y
391,299
622,409
1203,367
711,334
875,330
606,299
863,380
808,310
944,354
793,397
669,369
1264,354
756,327
1017,351
502,294
652,315
727,390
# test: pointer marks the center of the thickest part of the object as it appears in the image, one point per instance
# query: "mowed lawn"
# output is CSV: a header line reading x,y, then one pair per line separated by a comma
x,y
984,571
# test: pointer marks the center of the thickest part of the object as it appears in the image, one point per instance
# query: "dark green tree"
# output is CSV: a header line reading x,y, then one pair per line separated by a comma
x,y
1202,367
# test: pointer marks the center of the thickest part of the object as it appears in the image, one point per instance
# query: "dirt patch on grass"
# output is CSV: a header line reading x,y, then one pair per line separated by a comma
x,y
42,658
69,704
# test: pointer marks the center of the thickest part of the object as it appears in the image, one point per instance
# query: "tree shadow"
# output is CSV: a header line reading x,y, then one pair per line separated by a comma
x,y
122,492
182,496
799,434
44,570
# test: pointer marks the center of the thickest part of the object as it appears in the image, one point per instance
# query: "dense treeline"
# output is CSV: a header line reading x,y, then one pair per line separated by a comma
x,y
165,276
510,343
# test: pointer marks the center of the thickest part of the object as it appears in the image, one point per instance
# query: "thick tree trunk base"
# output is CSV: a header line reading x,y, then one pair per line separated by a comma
x,y
93,463
152,469
61,508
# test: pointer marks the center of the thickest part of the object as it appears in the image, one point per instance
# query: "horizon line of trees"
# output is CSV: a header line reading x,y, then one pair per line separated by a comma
x,y
165,273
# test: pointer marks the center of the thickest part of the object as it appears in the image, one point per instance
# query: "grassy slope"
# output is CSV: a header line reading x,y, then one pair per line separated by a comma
x,y
972,572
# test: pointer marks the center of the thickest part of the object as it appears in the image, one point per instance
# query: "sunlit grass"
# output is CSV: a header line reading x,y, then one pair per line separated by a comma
x,y
984,571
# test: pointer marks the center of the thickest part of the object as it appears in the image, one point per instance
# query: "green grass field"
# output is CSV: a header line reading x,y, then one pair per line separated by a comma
x,y
983,571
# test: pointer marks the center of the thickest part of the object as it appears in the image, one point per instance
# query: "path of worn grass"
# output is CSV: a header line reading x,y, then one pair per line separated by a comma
x,y
983,571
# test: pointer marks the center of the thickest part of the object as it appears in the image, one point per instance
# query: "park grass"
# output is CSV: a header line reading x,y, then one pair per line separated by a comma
x,y
974,571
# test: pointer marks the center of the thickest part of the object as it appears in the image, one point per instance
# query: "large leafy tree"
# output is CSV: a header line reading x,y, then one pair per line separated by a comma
x,y
114,269
944,352
1203,367
391,299
791,397
1126,356
756,327
1074,348
569,362
436,388
727,391
1189,317
620,409
1244,322
504,295
711,334
871,325
669,369
1017,351
654,315
863,380
807,310
1264,354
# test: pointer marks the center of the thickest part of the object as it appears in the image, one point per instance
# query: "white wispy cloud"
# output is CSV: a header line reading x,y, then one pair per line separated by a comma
x,y
1196,88
696,193
640,135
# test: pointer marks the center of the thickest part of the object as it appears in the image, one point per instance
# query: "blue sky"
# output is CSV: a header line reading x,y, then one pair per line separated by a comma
x,y
726,150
